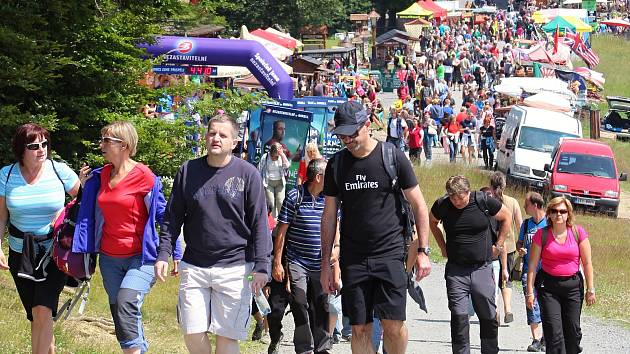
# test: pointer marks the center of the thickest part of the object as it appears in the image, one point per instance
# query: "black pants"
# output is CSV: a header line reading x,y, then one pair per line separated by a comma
x,y
560,300
478,283
488,154
278,301
310,311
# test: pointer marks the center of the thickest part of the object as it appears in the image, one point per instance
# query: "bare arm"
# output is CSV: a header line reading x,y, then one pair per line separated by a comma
x,y
437,233
4,219
277,270
587,265
532,267
504,217
328,227
421,216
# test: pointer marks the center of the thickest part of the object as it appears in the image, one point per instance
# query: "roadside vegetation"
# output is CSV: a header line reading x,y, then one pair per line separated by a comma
x,y
609,239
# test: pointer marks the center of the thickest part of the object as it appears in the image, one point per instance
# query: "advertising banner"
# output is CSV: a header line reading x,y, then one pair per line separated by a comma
x,y
323,109
253,128
289,128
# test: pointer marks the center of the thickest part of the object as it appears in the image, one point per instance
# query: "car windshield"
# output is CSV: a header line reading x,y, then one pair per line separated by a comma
x,y
582,164
538,139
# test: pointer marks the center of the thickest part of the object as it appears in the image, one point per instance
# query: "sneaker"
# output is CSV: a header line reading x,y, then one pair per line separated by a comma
x,y
347,338
258,331
536,346
336,339
509,317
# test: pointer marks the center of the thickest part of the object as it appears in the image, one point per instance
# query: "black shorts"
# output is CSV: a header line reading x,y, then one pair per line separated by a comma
x,y
32,293
511,263
374,286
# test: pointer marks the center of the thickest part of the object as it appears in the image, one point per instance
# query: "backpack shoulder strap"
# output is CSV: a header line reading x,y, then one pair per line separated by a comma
x,y
482,202
57,174
390,163
299,197
545,235
8,175
576,234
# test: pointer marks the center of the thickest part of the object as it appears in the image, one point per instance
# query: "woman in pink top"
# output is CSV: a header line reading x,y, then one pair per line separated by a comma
x,y
559,283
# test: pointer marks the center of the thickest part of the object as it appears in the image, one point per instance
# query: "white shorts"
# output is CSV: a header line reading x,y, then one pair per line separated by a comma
x,y
216,300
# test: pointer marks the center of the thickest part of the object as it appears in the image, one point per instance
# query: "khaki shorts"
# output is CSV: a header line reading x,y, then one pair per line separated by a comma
x,y
216,300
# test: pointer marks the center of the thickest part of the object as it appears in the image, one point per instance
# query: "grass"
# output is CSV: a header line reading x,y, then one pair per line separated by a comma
x,y
76,336
613,53
609,240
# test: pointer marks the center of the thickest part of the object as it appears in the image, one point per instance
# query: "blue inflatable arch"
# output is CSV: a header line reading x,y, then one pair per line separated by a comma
x,y
214,51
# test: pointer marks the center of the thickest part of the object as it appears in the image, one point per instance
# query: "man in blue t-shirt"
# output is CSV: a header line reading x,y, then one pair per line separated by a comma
x,y
534,207
300,225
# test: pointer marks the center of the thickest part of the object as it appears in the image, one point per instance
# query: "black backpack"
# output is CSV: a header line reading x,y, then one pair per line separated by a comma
x,y
390,163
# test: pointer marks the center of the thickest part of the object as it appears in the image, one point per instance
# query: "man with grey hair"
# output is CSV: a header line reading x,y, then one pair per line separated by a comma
x,y
299,228
470,246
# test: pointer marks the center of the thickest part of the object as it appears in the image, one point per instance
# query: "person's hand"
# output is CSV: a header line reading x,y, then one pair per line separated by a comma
x,y
258,282
495,251
175,270
84,174
505,276
522,252
529,301
161,269
590,299
3,261
423,266
277,272
326,279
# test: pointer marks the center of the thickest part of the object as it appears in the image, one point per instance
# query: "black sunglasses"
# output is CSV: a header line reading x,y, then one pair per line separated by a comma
x,y
559,211
36,146
341,136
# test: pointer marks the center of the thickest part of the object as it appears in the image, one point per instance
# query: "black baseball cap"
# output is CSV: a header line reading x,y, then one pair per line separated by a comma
x,y
349,117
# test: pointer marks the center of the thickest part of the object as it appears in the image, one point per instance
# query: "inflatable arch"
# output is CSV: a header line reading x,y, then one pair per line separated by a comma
x,y
214,51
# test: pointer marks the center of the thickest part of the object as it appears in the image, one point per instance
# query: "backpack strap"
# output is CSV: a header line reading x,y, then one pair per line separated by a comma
x,y
8,175
298,201
337,162
57,174
391,165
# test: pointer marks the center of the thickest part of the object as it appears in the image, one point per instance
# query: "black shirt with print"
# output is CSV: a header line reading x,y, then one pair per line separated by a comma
x,y
372,221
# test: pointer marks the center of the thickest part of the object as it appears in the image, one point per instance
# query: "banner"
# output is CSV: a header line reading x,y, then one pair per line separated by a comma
x,y
323,109
289,128
253,129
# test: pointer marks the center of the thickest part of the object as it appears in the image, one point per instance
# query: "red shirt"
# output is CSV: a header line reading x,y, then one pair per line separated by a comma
x,y
124,212
302,170
415,135
452,127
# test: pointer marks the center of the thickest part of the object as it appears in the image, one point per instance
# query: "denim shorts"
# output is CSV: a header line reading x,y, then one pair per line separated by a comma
x,y
533,315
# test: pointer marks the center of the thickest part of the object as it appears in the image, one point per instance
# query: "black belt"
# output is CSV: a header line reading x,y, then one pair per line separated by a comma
x,y
15,232
560,278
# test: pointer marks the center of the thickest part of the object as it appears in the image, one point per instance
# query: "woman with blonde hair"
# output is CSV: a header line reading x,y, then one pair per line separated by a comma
x,y
561,246
311,153
120,206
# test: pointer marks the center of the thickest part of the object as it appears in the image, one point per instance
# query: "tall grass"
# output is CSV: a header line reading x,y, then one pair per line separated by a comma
x,y
608,237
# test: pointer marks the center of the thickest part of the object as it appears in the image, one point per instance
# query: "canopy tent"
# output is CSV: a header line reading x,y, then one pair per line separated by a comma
x,y
550,14
279,52
298,43
437,10
549,101
515,86
250,82
575,2
414,28
280,40
566,22
540,17
414,11
616,22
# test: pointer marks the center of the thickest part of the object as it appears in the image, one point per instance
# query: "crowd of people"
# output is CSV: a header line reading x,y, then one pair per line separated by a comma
x,y
342,248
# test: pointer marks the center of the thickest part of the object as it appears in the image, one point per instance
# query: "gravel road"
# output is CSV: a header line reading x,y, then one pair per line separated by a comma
x,y
430,332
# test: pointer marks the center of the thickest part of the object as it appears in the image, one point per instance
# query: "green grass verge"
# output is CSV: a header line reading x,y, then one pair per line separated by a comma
x,y
74,336
609,240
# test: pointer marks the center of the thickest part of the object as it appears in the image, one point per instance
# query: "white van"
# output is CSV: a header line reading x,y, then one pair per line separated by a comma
x,y
528,139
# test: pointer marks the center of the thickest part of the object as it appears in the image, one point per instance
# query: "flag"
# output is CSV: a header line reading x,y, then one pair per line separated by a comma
x,y
547,72
556,36
579,47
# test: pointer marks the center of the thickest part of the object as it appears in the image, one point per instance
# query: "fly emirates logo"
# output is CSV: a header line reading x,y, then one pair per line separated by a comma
x,y
361,183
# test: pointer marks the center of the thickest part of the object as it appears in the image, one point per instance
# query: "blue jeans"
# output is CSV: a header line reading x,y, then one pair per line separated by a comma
x,y
377,333
452,149
533,315
428,142
127,281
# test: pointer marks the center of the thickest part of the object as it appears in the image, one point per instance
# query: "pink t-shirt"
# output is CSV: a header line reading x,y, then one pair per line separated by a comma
x,y
560,260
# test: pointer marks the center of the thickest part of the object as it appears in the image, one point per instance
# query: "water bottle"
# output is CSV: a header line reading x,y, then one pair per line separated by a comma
x,y
261,300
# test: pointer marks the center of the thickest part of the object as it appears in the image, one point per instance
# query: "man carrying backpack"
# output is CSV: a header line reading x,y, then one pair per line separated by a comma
x,y
379,198
397,129
470,247
299,235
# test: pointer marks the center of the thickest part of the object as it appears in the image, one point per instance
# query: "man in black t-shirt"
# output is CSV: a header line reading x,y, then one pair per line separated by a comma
x,y
372,241
470,248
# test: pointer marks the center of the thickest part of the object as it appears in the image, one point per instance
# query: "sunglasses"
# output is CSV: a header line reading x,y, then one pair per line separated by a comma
x,y
341,136
559,211
110,140
37,146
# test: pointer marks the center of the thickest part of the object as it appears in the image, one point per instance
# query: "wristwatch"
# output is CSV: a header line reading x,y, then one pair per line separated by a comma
x,y
425,250
590,291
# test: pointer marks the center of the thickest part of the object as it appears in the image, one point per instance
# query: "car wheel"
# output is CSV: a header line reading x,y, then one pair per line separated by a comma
x,y
615,213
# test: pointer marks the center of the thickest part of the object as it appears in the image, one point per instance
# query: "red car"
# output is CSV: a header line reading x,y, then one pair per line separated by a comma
x,y
586,173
